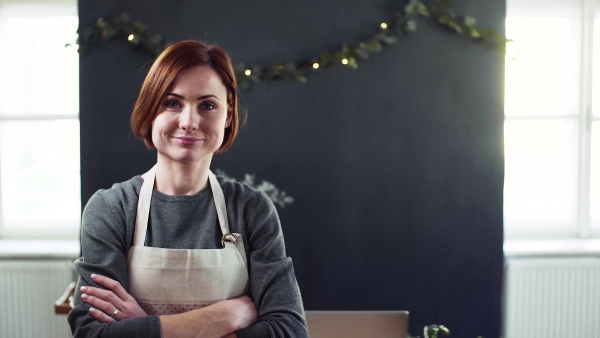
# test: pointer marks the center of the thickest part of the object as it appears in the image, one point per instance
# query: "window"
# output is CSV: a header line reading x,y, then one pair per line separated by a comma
x,y
39,125
552,119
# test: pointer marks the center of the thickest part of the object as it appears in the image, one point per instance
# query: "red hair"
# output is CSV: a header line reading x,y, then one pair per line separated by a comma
x,y
164,70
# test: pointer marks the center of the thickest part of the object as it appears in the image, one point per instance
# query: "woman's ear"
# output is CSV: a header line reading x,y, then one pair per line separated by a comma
x,y
229,116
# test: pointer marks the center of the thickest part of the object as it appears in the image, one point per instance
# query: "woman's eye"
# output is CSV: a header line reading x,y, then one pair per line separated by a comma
x,y
171,104
207,106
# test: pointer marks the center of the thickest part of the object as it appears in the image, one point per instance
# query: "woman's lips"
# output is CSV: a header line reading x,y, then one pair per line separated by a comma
x,y
188,141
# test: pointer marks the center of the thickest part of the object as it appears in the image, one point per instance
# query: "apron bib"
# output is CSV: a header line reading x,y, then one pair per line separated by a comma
x,y
171,281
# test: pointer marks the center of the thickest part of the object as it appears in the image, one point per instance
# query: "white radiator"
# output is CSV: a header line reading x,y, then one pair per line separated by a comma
x,y
552,297
28,289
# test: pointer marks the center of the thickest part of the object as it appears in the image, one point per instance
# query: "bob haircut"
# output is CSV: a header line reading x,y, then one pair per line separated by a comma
x,y
176,58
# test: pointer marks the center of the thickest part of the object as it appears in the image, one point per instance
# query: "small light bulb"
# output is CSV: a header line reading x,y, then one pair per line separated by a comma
x,y
345,61
383,25
130,37
316,65
248,72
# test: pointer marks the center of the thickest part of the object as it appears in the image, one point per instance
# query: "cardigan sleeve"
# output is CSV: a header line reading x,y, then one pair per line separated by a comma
x,y
273,284
104,252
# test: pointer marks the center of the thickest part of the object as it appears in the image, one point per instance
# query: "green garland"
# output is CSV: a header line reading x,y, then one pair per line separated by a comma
x,y
401,23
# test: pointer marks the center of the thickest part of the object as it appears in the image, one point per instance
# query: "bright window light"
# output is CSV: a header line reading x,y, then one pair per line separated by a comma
x,y
541,128
39,126
540,184
539,62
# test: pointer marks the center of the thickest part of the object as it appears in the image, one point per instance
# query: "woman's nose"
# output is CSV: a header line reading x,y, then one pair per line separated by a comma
x,y
189,119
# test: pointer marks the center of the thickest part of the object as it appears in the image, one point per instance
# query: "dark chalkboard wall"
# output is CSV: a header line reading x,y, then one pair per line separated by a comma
x,y
396,167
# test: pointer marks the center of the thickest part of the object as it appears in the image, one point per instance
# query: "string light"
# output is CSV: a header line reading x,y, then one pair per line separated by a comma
x,y
154,43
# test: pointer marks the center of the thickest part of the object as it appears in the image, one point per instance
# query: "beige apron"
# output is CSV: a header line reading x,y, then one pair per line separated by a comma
x,y
170,281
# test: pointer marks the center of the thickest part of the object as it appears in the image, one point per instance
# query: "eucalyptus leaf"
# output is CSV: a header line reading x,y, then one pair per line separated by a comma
x,y
422,9
374,46
470,21
475,33
352,63
443,19
453,25
363,53
390,39
411,25
100,23
411,7
301,78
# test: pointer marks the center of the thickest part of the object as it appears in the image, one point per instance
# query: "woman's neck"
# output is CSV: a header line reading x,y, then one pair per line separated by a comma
x,y
174,178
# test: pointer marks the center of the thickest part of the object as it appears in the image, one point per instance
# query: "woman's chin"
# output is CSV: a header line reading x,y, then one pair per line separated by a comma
x,y
186,158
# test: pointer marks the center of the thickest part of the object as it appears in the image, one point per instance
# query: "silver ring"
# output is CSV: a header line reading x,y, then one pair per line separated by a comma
x,y
115,311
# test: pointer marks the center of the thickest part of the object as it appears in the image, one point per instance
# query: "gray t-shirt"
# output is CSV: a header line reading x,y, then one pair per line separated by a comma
x,y
188,222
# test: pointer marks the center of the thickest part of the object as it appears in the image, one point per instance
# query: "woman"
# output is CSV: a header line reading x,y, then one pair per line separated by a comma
x,y
178,252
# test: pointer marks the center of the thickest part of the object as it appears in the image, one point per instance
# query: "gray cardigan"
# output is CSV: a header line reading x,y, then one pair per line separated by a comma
x,y
108,224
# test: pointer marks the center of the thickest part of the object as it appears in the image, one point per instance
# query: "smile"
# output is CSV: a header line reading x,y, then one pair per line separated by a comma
x,y
187,140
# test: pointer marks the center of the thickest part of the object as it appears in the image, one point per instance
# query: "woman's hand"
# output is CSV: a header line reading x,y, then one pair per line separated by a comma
x,y
220,319
244,311
110,305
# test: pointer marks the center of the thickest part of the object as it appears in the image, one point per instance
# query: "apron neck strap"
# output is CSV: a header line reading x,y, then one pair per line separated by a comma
x,y
145,197
143,208
219,199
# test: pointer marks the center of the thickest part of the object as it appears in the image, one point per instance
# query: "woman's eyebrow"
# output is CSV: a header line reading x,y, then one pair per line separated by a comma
x,y
207,96
173,94
199,98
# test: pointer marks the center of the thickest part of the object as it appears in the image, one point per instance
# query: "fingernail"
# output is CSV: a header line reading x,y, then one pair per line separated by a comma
x,y
84,296
92,309
83,288
94,275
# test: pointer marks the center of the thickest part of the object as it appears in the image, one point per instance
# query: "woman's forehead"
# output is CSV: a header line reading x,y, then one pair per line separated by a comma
x,y
199,79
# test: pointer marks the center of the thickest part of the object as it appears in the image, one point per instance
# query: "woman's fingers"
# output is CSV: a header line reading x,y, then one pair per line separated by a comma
x,y
105,295
100,305
115,301
112,285
101,316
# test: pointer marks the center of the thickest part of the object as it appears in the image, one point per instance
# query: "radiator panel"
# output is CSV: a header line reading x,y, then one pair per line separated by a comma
x,y
545,298
28,289
552,297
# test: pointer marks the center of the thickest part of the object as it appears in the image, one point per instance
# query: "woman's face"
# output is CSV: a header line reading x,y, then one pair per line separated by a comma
x,y
192,116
